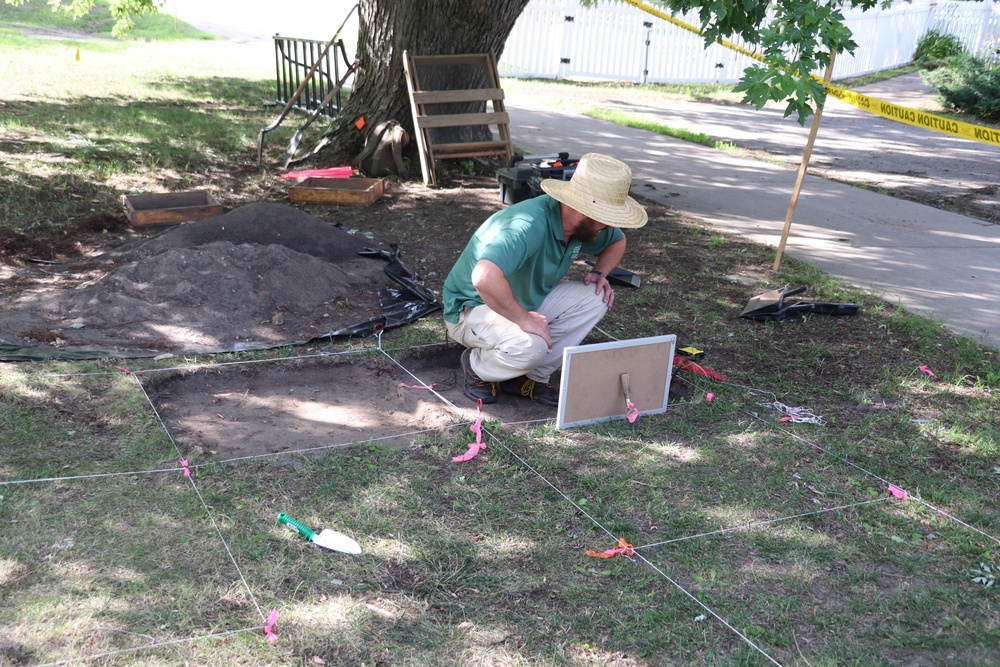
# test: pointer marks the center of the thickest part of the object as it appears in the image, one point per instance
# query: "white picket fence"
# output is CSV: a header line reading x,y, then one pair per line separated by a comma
x,y
557,39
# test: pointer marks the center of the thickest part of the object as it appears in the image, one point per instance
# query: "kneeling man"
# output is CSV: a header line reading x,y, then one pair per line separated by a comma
x,y
505,299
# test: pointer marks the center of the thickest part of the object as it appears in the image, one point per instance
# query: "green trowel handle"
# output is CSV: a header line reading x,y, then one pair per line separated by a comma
x,y
289,521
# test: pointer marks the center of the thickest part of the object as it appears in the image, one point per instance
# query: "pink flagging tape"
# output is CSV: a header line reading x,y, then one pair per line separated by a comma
x,y
331,172
927,370
269,628
403,385
633,412
897,493
475,447
187,471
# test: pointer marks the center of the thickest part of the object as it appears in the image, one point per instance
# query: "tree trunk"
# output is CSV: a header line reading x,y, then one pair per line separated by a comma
x,y
422,27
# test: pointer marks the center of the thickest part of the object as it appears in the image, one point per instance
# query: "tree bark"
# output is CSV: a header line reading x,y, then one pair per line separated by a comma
x,y
387,28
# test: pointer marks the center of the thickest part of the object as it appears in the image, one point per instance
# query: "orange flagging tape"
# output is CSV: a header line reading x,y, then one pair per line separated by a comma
x,y
622,548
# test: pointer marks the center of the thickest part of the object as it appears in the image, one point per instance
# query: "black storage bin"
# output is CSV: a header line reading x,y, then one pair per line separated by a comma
x,y
520,180
514,183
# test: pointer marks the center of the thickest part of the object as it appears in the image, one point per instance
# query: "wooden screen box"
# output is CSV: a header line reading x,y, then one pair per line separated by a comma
x,y
340,191
170,208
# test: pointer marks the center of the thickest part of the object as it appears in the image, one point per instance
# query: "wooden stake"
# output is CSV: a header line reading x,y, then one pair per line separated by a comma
x,y
802,169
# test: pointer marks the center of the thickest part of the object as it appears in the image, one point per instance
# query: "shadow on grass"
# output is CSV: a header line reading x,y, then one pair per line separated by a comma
x,y
484,560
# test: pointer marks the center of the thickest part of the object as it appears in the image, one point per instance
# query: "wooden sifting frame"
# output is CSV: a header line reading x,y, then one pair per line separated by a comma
x,y
424,120
598,380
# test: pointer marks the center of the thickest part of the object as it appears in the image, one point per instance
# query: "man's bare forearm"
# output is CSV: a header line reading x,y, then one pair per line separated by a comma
x,y
491,283
610,257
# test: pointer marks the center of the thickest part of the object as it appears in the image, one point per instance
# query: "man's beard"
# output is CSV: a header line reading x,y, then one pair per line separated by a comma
x,y
587,232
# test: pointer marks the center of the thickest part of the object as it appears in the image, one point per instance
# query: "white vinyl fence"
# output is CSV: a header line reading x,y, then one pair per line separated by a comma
x,y
558,39
977,24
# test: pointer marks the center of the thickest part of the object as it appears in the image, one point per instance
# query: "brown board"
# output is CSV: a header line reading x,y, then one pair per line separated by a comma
x,y
591,388
340,191
170,208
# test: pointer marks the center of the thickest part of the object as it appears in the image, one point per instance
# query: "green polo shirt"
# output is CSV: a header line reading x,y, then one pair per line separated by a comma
x,y
526,241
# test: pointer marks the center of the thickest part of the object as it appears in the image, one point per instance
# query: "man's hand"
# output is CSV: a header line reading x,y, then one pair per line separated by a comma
x,y
602,285
537,324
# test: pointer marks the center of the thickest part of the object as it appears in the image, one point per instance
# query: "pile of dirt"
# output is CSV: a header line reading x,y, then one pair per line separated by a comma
x,y
262,275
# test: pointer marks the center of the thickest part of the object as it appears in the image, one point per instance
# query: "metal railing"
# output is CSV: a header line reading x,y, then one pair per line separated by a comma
x,y
294,58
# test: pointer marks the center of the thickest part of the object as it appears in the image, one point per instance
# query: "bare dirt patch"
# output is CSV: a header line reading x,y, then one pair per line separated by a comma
x,y
325,403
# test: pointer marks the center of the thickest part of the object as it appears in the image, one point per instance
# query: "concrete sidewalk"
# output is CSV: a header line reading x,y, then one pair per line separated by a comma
x,y
939,264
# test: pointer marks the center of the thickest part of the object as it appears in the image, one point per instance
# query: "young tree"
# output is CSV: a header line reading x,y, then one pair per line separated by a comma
x,y
797,40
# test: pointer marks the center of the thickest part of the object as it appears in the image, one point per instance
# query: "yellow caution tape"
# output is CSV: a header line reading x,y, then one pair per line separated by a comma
x,y
928,121
687,26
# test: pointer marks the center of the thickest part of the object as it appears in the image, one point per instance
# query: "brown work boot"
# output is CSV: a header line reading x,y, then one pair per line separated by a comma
x,y
539,392
476,388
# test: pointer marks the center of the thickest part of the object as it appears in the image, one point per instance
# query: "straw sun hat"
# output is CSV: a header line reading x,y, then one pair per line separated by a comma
x,y
599,189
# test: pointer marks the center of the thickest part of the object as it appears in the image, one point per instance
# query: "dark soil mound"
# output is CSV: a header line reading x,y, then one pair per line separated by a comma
x,y
262,275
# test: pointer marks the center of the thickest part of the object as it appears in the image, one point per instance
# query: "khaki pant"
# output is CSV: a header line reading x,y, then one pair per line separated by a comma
x,y
501,351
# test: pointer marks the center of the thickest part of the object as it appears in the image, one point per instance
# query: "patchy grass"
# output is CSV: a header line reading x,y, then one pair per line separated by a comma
x,y
570,94
631,120
875,77
780,532
160,124
38,17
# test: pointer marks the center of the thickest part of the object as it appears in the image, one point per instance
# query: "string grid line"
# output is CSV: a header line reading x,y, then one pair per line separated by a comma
x,y
497,441
201,498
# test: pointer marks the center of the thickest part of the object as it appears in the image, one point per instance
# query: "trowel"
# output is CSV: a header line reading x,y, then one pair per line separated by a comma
x,y
328,539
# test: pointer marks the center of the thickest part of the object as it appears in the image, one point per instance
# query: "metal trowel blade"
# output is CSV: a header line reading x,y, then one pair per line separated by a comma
x,y
331,539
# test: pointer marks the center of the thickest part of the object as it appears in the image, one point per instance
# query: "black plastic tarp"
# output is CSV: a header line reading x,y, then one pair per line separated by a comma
x,y
398,305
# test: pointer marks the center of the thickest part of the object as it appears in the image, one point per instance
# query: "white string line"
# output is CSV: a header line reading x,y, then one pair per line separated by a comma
x,y
192,367
843,459
524,422
753,524
511,451
340,445
908,494
708,609
597,523
221,461
840,458
70,478
204,504
186,640
941,511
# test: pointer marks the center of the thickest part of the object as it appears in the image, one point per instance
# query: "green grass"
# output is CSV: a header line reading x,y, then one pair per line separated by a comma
x,y
159,124
631,120
484,562
875,77
98,22
569,93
